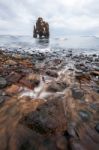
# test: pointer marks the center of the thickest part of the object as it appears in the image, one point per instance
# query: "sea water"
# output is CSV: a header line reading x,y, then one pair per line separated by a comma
x,y
78,44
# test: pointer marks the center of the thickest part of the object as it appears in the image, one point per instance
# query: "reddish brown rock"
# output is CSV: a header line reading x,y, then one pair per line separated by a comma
x,y
26,63
13,77
10,62
30,81
83,77
13,89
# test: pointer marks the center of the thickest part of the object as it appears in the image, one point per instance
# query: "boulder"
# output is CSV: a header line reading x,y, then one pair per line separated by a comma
x,y
48,118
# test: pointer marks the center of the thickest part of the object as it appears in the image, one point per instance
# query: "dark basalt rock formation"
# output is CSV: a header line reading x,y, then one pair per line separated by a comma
x,y
41,29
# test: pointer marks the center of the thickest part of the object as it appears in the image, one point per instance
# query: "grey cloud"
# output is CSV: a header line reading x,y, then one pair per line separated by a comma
x,y
70,17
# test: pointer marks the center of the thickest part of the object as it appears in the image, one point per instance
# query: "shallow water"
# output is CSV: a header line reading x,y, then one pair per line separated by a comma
x,y
78,44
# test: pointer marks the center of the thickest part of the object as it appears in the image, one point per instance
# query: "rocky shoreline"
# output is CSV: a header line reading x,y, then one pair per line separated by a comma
x,y
49,101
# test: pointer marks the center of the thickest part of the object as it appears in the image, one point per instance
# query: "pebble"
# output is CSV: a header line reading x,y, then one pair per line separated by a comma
x,y
97,127
77,93
94,106
52,73
1,99
96,88
56,86
3,82
85,115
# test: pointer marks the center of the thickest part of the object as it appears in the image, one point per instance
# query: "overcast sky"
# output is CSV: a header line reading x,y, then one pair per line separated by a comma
x,y
70,17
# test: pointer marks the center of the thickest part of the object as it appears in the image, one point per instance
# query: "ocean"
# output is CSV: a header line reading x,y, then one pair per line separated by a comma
x,y
78,44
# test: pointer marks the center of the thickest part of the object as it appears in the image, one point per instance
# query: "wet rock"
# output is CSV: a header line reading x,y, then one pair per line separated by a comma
x,y
13,89
96,88
69,55
41,56
52,73
97,127
2,92
83,77
96,68
96,73
90,58
17,56
26,63
94,55
56,86
71,130
31,81
95,106
24,138
74,144
48,118
77,93
79,72
61,143
79,66
95,65
13,77
97,59
3,82
57,61
85,115
10,62
3,98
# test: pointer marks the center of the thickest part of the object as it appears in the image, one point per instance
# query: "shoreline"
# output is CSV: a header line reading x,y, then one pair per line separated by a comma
x,y
49,101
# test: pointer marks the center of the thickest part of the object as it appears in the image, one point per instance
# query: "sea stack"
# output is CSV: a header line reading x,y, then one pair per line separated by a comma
x,y
41,29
